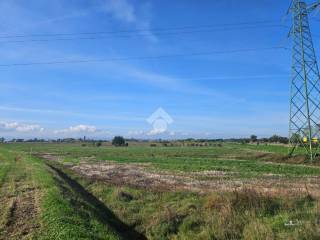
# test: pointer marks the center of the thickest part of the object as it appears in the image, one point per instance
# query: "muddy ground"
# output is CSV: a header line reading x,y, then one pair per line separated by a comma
x,y
146,177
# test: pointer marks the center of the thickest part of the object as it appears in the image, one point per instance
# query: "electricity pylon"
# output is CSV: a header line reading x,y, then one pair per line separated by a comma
x,y
304,126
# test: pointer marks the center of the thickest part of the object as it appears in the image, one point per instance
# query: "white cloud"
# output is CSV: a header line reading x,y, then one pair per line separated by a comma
x,y
83,130
151,133
20,127
121,10
156,132
78,129
136,133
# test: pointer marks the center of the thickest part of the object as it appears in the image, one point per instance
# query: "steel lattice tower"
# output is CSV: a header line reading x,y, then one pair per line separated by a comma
x,y
304,126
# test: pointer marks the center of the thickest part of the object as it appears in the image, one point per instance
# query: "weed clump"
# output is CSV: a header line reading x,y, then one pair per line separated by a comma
x,y
251,200
166,224
257,230
249,214
124,196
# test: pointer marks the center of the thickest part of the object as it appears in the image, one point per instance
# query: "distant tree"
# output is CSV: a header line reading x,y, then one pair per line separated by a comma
x,y
278,139
118,141
2,140
274,139
283,140
253,138
99,143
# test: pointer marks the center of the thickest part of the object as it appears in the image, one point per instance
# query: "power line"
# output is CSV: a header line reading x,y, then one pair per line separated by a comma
x,y
142,57
136,35
314,19
137,30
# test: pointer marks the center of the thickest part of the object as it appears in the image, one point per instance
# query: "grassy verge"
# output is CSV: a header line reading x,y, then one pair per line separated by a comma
x,y
38,204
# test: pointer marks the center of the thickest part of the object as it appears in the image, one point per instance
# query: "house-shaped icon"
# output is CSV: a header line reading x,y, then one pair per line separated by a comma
x,y
161,115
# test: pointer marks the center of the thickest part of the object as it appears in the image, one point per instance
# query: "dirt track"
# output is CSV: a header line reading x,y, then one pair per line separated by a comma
x,y
22,211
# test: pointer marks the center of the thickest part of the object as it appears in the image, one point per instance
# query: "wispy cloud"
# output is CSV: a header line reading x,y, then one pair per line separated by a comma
x,y
160,132
105,116
20,127
82,128
151,133
138,16
133,133
121,10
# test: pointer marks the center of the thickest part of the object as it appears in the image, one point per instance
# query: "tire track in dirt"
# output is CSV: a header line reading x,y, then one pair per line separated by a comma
x,y
22,213
22,208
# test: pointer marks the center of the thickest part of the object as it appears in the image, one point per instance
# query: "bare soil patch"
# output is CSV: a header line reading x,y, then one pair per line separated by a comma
x,y
142,176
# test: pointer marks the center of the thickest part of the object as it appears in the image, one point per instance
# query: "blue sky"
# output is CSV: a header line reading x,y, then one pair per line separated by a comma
x,y
225,95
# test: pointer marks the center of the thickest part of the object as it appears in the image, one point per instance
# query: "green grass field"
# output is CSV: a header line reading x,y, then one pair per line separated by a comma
x,y
224,158
43,199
